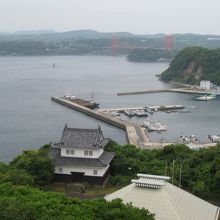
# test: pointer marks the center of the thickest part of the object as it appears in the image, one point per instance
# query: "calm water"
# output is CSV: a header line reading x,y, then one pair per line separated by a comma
x,y
28,119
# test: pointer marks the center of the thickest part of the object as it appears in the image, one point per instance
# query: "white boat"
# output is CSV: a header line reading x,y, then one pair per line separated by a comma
x,y
146,123
69,96
129,113
157,127
148,110
214,138
186,140
207,97
115,114
140,113
151,126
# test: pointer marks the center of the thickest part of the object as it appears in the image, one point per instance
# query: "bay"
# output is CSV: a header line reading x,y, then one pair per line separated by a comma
x,y
28,119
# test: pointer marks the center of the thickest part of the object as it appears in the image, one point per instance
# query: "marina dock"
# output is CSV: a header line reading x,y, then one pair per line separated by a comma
x,y
158,107
175,90
136,135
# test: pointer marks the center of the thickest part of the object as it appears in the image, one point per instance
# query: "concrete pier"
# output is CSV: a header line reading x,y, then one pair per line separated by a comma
x,y
158,107
176,90
135,134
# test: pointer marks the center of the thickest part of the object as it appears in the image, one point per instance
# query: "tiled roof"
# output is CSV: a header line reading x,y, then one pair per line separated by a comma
x,y
102,161
82,138
167,202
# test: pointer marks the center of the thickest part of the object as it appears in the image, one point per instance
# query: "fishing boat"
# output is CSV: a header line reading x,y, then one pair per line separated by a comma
x,y
186,140
129,113
145,123
92,104
157,127
141,113
151,126
148,110
214,138
115,113
207,97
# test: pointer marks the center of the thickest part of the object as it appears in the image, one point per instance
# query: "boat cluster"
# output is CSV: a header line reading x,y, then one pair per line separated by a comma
x,y
186,140
133,112
193,139
214,138
154,126
137,113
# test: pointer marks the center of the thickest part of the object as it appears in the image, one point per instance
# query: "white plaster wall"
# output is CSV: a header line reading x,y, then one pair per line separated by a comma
x,y
205,84
80,153
87,170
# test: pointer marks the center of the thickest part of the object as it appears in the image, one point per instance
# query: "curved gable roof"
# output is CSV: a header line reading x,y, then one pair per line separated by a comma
x,y
82,138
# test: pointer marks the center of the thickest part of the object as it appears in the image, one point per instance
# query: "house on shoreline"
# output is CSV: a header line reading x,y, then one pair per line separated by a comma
x,y
80,156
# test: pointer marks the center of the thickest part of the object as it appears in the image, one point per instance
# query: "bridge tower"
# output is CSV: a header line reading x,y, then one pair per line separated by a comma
x,y
115,45
169,42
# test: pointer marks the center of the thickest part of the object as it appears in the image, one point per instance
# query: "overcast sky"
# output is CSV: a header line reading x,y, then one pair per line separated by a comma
x,y
137,16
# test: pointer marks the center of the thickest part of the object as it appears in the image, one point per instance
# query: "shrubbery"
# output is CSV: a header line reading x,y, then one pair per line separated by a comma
x,y
32,167
200,169
24,203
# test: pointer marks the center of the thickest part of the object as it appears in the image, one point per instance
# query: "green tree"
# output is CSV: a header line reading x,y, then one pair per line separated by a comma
x,y
24,203
37,163
17,177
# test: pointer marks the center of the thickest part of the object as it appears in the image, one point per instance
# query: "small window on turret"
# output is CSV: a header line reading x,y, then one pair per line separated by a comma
x,y
67,151
72,152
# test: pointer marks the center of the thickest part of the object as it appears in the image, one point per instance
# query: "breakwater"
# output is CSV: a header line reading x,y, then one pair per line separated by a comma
x,y
176,90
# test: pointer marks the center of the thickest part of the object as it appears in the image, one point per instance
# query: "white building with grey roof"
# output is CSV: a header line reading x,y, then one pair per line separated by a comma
x,y
165,200
80,156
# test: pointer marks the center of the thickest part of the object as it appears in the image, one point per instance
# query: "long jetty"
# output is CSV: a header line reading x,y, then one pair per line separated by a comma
x,y
136,135
174,90
158,107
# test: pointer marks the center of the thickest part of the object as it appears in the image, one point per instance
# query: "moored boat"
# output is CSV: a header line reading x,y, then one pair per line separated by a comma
x,y
151,126
92,104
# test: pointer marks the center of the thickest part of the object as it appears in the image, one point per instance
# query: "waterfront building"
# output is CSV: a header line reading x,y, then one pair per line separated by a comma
x,y
205,84
165,200
80,156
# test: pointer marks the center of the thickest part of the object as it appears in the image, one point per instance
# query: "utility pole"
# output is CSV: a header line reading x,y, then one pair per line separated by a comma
x,y
166,170
180,175
173,171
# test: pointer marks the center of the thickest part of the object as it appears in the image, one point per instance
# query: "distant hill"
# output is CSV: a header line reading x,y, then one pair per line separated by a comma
x,y
76,34
194,64
91,42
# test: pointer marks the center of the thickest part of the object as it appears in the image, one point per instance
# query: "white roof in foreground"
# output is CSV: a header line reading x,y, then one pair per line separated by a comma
x,y
167,202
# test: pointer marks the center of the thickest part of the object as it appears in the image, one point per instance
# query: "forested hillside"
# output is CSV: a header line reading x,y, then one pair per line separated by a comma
x,y
194,64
